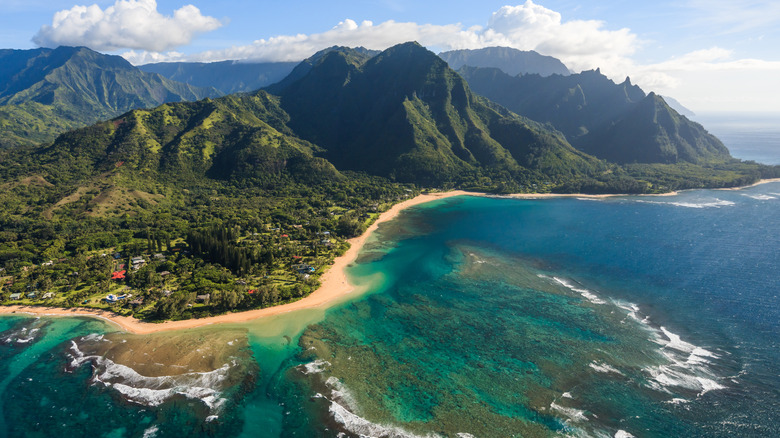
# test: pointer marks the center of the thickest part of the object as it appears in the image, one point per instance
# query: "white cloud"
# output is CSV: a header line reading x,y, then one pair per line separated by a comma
x,y
580,44
712,80
128,24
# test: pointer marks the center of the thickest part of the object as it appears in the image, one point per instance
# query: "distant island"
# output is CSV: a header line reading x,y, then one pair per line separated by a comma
x,y
194,209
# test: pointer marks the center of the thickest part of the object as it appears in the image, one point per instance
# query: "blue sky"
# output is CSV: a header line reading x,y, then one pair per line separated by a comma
x,y
712,55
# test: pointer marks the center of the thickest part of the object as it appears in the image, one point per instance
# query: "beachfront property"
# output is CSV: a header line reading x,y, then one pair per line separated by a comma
x,y
16,296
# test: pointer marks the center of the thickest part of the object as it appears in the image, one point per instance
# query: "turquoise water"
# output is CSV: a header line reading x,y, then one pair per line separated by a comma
x,y
640,316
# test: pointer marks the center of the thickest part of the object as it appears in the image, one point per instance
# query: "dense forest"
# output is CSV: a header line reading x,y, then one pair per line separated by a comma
x,y
198,208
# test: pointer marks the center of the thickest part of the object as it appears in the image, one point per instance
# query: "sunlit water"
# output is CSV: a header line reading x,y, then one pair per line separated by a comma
x,y
637,316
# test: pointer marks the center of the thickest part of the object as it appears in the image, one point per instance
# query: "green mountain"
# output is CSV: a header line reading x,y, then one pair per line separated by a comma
x,y
234,203
616,122
248,197
44,92
179,144
406,115
511,61
227,76
402,114
357,55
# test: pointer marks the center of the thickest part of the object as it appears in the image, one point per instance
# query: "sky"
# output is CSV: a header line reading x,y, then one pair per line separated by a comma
x,y
711,55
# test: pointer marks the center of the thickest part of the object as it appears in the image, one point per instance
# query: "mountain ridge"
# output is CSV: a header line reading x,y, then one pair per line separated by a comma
x,y
48,91
417,114
601,117
227,76
509,60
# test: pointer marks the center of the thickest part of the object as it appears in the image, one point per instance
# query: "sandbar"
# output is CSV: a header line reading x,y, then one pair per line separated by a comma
x,y
333,283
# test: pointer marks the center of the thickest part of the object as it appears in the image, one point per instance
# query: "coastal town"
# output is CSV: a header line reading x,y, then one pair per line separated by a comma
x,y
136,283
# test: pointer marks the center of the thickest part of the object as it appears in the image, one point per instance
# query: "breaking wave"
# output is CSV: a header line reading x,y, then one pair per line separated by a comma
x,y
715,203
153,391
759,197
587,294
686,366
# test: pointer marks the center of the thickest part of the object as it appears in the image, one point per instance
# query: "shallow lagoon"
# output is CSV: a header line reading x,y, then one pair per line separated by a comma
x,y
650,316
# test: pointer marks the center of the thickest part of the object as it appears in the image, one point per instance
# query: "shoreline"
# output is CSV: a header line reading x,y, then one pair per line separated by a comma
x,y
757,183
334,282
334,285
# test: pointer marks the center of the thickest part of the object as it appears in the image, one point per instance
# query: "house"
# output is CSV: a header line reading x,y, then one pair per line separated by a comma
x,y
16,296
114,298
167,293
118,275
137,302
164,274
137,262
159,257
202,298
48,295
32,295
303,268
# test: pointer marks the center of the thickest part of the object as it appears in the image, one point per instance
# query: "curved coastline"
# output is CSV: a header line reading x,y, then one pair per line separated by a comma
x,y
334,285
334,282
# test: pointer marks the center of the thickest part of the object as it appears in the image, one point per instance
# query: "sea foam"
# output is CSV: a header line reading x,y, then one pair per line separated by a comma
x,y
715,203
759,197
342,407
687,367
585,293
153,391
604,368
315,367
687,364
572,414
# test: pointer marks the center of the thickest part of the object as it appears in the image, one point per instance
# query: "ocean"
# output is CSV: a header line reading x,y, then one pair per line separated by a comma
x,y
749,136
650,316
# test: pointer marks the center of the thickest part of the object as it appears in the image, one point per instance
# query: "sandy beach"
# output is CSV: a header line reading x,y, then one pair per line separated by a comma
x,y
334,285
759,182
334,282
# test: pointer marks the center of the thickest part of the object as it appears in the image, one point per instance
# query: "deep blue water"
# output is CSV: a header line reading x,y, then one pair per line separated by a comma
x,y
470,309
637,316
749,136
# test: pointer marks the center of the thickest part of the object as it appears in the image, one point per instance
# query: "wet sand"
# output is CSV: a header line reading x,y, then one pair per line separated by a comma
x,y
334,285
334,282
